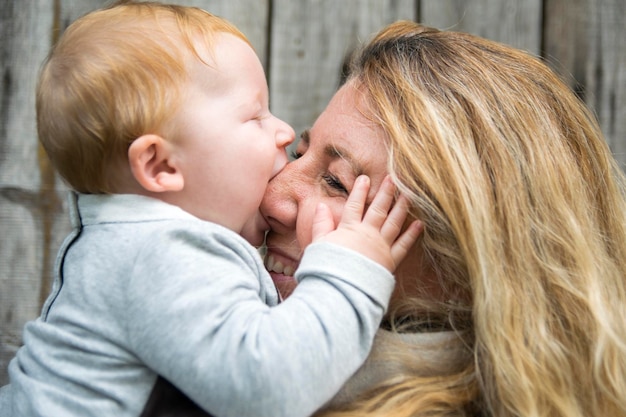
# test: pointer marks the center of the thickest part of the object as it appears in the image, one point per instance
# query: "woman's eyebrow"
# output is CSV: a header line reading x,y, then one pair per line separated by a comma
x,y
335,152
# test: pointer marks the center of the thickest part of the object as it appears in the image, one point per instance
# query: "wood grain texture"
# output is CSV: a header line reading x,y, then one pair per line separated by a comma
x,y
514,22
585,41
24,254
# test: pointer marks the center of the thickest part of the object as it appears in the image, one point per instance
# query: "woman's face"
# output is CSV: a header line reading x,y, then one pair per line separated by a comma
x,y
341,145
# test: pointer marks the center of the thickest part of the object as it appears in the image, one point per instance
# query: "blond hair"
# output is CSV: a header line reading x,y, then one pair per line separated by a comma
x,y
524,213
114,75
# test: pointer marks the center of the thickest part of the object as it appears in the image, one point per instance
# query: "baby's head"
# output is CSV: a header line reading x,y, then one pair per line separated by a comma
x,y
114,75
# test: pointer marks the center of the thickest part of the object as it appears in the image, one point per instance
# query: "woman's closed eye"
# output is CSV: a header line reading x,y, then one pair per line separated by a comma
x,y
331,180
334,183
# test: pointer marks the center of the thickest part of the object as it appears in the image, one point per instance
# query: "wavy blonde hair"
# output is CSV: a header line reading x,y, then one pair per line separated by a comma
x,y
114,75
524,213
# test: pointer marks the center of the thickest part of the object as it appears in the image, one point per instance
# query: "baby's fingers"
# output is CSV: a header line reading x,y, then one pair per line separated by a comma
x,y
322,222
378,211
355,205
392,226
404,243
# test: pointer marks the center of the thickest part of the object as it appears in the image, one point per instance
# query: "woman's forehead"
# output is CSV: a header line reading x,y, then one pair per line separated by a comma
x,y
344,130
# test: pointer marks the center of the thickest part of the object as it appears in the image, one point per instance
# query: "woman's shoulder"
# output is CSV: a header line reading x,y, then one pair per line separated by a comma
x,y
396,354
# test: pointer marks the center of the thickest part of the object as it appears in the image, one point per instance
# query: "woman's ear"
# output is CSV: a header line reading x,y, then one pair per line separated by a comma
x,y
152,165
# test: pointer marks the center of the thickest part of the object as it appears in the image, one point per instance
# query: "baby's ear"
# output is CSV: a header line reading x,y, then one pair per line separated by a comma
x,y
152,165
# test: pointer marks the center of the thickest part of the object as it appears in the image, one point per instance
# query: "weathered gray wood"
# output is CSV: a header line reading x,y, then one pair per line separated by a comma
x,y
585,41
310,41
514,22
24,26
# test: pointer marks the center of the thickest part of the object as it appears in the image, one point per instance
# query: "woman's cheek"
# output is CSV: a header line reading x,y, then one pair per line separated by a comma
x,y
304,230
306,217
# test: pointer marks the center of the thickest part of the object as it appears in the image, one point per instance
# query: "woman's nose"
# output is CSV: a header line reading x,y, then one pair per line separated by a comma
x,y
280,202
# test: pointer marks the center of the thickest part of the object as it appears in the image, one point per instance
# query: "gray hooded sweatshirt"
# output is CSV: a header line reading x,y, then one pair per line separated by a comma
x,y
143,288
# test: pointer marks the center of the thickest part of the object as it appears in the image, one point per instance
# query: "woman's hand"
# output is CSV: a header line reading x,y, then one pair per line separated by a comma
x,y
377,234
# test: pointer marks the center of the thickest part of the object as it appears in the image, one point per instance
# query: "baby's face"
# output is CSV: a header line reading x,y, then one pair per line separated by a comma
x,y
228,142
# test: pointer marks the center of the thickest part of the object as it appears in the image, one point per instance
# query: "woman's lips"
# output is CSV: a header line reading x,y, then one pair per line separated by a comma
x,y
279,269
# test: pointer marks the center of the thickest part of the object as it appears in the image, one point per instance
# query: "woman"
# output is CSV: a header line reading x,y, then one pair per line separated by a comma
x,y
513,302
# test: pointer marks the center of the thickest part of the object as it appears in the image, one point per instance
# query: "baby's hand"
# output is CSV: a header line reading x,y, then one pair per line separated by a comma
x,y
377,235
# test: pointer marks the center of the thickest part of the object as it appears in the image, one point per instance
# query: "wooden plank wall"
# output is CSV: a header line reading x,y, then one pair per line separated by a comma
x,y
303,44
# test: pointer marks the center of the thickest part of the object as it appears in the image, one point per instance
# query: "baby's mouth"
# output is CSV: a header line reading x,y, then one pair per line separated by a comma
x,y
278,270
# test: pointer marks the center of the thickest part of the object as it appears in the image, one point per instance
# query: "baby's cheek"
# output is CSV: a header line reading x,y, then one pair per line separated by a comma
x,y
254,230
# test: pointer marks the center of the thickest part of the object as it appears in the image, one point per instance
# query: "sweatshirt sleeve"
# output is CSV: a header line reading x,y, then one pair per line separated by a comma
x,y
196,317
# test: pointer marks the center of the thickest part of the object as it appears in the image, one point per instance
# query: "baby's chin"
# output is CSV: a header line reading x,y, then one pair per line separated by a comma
x,y
254,230
254,237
